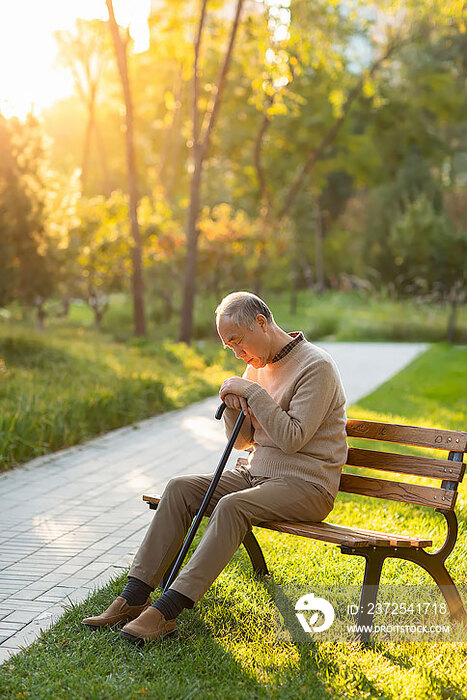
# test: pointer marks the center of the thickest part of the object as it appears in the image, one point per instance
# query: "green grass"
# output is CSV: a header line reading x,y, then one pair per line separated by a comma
x,y
350,316
333,315
347,316
228,645
70,383
355,316
66,385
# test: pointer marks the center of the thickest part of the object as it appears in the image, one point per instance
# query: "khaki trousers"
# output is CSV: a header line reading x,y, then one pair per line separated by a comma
x,y
239,502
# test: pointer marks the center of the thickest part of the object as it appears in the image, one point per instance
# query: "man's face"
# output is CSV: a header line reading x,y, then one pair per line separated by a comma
x,y
252,346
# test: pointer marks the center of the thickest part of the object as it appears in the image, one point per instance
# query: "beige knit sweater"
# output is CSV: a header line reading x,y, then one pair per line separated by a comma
x,y
298,428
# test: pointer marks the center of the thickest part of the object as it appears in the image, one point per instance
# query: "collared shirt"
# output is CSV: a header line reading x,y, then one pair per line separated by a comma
x,y
297,337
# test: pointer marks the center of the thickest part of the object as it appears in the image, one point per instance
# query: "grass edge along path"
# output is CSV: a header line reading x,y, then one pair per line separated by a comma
x,y
60,389
228,644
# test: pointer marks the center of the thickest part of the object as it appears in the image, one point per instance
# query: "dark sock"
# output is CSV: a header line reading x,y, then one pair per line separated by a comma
x,y
136,591
171,603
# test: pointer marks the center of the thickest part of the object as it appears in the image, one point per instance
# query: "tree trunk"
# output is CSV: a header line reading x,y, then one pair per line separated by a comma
x,y
260,269
319,251
451,331
172,141
41,313
98,320
136,252
307,272
258,286
103,160
298,260
216,283
99,306
189,289
294,290
200,150
86,149
66,299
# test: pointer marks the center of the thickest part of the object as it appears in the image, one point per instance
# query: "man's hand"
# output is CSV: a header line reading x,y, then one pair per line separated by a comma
x,y
231,392
237,402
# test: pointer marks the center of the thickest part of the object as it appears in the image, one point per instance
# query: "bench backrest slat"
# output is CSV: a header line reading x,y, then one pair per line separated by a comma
x,y
397,491
450,471
406,464
454,441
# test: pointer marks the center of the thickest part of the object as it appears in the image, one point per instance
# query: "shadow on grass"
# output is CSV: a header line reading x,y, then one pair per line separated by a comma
x,y
441,665
229,645
316,659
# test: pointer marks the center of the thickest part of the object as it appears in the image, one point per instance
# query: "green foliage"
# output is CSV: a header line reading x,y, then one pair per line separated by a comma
x,y
413,245
99,244
386,206
293,70
429,254
361,316
26,257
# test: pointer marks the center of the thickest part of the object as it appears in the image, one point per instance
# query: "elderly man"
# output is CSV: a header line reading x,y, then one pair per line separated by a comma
x,y
294,405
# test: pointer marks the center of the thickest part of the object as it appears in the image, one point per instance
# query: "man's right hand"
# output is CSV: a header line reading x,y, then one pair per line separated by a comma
x,y
237,402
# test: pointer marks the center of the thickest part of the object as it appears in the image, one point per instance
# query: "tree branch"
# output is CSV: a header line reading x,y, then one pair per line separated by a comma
x,y
211,114
120,45
265,123
331,134
195,75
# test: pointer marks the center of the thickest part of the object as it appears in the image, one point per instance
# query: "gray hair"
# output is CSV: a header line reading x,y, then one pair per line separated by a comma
x,y
242,308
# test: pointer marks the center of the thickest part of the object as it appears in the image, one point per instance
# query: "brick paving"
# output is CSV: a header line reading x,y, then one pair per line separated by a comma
x,y
71,520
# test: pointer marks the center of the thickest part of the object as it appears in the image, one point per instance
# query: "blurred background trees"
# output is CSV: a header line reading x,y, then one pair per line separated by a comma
x,y
337,160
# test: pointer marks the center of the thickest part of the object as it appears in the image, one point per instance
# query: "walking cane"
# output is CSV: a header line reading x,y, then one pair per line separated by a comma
x,y
202,509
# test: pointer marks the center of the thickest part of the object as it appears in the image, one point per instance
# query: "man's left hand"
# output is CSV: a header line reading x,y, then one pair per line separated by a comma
x,y
234,385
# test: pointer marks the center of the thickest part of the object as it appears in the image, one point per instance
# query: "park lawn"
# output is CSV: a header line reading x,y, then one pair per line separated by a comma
x,y
65,385
229,646
70,383
356,316
331,315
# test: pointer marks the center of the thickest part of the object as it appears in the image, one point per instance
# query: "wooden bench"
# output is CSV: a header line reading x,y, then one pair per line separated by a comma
x,y
375,546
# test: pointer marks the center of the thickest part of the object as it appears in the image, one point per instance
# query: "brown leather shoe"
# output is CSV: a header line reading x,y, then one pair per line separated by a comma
x,y
148,627
118,611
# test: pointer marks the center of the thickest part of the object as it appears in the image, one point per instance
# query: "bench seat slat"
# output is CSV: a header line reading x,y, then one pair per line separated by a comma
x,y
154,500
398,491
454,441
406,464
319,531
336,534
383,537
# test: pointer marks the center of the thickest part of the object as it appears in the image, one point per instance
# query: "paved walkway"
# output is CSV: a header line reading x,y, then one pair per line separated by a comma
x,y
71,520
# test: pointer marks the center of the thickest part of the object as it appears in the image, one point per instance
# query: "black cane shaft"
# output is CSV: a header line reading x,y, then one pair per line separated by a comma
x,y
205,503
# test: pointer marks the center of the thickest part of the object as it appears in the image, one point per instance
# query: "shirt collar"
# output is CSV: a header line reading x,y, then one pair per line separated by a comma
x,y
297,336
